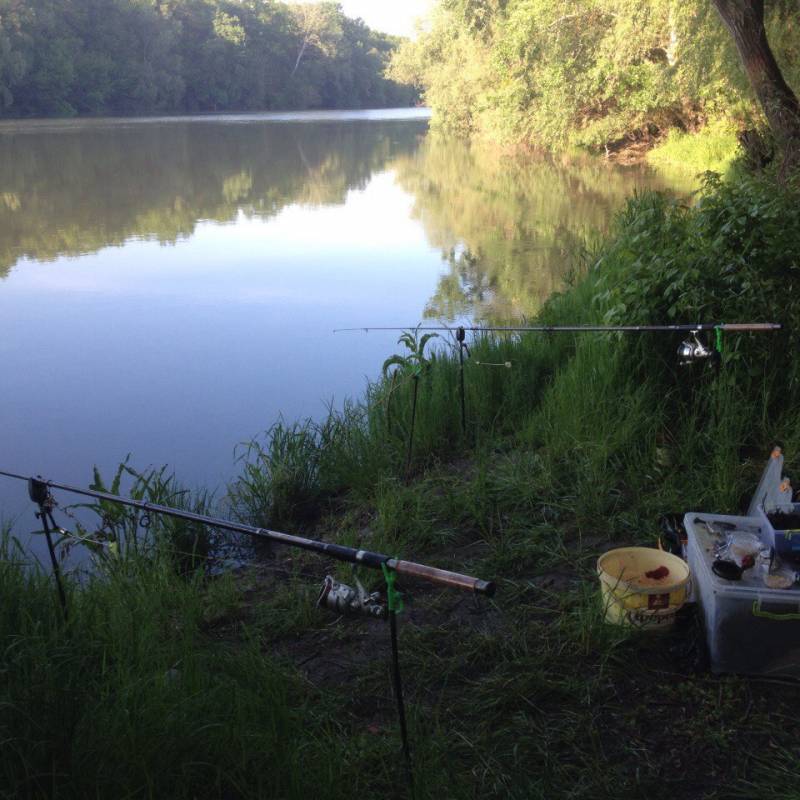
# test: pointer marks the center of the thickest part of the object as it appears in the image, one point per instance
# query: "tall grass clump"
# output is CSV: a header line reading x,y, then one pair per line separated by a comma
x,y
291,473
119,533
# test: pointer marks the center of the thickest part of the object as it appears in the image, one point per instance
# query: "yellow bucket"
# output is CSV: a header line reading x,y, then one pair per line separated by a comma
x,y
641,586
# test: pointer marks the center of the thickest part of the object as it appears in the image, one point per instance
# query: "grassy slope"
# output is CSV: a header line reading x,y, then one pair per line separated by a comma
x,y
579,446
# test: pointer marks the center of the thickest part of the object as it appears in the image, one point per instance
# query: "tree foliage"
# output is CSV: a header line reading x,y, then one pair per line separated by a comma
x,y
589,73
62,57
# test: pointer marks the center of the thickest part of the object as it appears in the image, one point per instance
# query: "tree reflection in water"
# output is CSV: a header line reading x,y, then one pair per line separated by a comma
x,y
510,228
70,190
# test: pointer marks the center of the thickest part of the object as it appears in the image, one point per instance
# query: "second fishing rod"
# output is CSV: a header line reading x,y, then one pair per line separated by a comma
x,y
691,349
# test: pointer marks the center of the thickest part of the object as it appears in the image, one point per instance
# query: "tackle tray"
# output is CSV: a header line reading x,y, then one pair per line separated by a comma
x,y
750,629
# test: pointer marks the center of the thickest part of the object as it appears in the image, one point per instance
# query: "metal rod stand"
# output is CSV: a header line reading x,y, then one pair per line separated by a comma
x,y
413,421
460,336
39,492
401,707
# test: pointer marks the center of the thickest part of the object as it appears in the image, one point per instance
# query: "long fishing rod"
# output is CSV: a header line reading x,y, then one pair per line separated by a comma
x,y
38,489
335,596
691,350
697,327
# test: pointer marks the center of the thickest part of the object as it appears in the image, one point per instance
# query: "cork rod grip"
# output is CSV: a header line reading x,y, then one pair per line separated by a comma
x,y
443,577
751,326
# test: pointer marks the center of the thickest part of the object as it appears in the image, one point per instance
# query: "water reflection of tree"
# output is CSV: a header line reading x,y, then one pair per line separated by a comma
x,y
509,228
463,288
70,192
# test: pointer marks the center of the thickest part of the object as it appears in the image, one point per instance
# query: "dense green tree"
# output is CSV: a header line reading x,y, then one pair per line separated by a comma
x,y
139,56
589,73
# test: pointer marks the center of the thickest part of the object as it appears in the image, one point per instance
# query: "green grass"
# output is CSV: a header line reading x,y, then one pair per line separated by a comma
x,y
130,698
170,682
714,147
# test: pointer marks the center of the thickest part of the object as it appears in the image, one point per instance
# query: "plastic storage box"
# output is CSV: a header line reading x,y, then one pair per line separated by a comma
x,y
750,629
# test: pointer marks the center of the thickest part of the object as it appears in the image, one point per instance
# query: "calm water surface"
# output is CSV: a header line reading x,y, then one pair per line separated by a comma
x,y
169,287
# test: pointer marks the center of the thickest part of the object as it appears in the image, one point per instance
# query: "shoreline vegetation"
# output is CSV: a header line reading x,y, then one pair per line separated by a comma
x,y
172,679
616,79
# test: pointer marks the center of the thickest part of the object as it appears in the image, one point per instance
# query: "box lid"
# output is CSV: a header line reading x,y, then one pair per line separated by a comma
x,y
772,492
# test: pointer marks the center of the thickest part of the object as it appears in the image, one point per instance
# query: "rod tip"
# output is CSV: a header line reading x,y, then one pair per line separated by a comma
x,y
486,588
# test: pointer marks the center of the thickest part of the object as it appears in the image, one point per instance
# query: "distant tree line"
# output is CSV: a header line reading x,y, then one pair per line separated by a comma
x,y
64,57
599,73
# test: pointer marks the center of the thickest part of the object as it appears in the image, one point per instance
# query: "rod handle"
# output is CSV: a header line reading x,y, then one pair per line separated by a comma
x,y
751,326
443,577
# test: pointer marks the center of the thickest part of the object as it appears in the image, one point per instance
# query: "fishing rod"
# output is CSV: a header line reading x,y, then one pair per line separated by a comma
x,y
697,327
691,350
336,596
39,492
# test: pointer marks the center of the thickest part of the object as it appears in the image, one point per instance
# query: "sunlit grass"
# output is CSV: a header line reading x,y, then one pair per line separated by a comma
x,y
714,147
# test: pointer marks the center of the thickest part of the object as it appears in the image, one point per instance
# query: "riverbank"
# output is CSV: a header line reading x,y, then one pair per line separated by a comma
x,y
236,686
714,146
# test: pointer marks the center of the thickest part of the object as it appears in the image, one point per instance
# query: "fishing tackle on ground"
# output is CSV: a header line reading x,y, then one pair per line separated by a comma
x,y
691,350
40,495
335,595
462,346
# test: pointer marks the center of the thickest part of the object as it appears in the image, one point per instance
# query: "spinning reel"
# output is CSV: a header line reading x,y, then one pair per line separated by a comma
x,y
693,349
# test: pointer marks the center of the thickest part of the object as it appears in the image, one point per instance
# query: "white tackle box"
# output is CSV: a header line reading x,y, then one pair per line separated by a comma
x,y
750,628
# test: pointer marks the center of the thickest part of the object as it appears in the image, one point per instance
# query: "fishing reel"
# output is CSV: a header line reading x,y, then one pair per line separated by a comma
x,y
343,599
694,349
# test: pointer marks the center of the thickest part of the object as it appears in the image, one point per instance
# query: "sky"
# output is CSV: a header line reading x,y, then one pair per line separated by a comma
x,y
391,16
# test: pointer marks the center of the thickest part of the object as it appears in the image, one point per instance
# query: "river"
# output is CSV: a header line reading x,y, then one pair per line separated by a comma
x,y
169,286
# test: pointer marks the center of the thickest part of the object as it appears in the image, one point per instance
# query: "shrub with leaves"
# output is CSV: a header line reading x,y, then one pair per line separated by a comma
x,y
732,257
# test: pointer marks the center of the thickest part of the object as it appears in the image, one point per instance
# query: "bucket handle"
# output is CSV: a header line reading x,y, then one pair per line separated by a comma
x,y
757,612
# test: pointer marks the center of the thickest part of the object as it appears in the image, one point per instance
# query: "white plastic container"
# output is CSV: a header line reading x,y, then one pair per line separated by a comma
x,y
750,629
